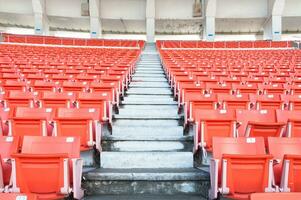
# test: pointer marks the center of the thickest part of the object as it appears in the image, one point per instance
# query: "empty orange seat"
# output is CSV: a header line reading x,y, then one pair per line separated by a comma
x,y
31,121
20,99
17,196
267,101
213,123
99,100
80,122
193,102
276,196
240,167
71,86
56,99
293,102
41,86
293,120
8,145
49,167
259,123
287,153
238,101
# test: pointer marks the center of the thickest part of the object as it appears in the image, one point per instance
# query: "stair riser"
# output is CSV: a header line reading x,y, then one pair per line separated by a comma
x,y
147,187
146,123
127,160
140,146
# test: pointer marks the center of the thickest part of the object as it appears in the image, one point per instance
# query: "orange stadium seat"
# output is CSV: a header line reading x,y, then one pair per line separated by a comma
x,y
49,167
240,167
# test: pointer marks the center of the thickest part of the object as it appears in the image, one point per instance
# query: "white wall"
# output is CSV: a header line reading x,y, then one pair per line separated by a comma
x,y
16,6
123,9
174,9
241,8
172,16
292,8
65,8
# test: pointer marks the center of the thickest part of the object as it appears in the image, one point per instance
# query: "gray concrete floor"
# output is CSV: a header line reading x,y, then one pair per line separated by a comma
x,y
144,197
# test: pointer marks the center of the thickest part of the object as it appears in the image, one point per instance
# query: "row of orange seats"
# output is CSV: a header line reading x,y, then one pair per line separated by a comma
x,y
36,39
210,123
85,123
242,166
39,167
223,44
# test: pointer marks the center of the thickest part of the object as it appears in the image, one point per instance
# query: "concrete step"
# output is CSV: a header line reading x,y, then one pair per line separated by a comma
x,y
149,110
146,145
147,181
147,174
149,85
149,91
149,79
133,130
142,66
143,137
154,160
149,99
146,197
146,123
148,75
146,117
138,72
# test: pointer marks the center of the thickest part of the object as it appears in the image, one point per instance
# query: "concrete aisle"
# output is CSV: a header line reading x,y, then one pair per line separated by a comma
x,y
147,152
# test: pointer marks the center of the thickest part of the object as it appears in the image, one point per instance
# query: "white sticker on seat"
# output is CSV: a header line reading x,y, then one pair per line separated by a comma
x,y
70,139
223,111
251,140
9,139
91,110
21,197
263,111
48,110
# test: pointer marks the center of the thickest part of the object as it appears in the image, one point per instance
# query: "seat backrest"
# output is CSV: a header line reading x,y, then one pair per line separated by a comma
x,y
265,119
57,99
34,113
293,101
238,101
8,146
215,123
292,118
51,145
276,196
279,147
17,196
78,113
237,146
267,101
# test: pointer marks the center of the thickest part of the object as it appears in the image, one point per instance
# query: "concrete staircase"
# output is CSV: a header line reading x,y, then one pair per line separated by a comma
x,y
147,152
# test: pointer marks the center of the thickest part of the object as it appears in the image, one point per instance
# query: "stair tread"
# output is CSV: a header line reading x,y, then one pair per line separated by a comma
x,y
147,174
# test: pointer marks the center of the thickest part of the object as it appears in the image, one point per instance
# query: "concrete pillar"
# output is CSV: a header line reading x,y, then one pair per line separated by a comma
x,y
95,27
150,20
273,25
41,23
210,28
209,20
95,22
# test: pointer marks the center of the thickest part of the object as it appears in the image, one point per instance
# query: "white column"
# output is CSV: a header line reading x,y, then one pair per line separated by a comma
x,y
95,27
209,22
41,23
273,25
150,20
95,22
